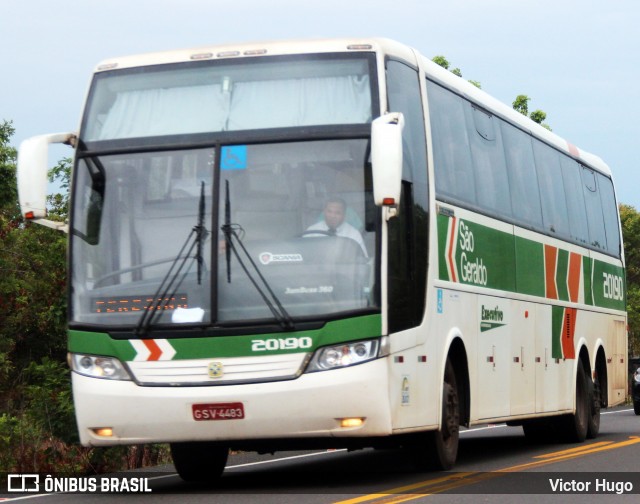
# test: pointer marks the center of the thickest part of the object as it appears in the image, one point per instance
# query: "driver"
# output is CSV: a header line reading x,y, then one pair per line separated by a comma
x,y
334,224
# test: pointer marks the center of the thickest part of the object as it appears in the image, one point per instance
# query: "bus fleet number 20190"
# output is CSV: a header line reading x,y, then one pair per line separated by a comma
x,y
613,286
271,344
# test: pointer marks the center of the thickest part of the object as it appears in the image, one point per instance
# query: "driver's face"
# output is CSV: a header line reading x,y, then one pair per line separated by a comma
x,y
333,214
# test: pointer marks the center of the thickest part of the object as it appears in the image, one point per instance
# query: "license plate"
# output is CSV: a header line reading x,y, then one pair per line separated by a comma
x,y
218,411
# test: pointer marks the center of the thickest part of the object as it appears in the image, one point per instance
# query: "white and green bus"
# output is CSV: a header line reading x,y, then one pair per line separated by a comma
x,y
330,243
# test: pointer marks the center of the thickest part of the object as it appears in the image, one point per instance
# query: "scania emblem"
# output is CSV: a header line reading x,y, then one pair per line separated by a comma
x,y
216,370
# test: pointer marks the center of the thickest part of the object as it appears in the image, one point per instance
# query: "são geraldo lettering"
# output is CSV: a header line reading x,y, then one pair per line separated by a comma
x,y
471,270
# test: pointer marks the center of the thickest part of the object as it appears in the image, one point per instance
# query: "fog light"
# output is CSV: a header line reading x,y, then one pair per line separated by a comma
x,y
103,431
346,423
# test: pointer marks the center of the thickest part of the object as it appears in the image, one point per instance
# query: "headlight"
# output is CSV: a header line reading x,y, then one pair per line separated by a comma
x,y
344,355
636,376
98,367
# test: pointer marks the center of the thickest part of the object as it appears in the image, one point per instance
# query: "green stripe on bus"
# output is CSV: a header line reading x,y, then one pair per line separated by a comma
x,y
529,267
562,272
98,343
557,318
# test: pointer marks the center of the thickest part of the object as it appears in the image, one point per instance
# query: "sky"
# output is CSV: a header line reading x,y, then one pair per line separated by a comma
x,y
578,60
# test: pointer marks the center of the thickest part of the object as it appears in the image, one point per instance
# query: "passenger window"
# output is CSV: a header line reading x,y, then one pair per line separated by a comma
x,y
593,204
525,196
451,153
578,229
490,169
552,193
610,213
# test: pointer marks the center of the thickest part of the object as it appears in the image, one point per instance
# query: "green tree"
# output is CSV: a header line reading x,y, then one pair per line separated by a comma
x,y
444,63
32,330
630,220
521,104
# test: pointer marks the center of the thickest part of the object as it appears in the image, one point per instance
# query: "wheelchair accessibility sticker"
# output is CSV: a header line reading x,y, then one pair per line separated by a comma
x,y
233,157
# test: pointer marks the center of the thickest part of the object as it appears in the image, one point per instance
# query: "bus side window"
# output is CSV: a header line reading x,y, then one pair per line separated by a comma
x,y
455,178
552,190
487,151
578,230
610,211
523,179
593,204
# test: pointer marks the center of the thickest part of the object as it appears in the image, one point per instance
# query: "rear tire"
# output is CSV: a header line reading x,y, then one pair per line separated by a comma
x,y
593,393
199,462
574,427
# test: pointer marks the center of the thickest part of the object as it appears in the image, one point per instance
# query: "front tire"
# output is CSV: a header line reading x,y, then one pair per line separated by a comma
x,y
199,462
438,450
444,442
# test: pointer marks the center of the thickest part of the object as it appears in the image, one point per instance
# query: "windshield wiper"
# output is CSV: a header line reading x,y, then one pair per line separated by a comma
x,y
275,306
174,277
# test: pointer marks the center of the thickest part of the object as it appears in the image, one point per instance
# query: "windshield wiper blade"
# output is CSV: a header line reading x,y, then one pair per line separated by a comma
x,y
173,279
227,230
201,233
277,309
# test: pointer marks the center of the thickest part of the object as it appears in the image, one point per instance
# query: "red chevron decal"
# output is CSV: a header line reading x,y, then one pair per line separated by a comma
x,y
155,350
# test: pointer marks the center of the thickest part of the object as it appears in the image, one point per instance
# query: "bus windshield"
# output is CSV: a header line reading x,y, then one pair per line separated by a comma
x,y
288,225
214,96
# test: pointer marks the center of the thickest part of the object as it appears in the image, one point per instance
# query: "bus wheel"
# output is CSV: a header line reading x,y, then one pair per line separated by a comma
x,y
199,462
444,442
593,393
574,427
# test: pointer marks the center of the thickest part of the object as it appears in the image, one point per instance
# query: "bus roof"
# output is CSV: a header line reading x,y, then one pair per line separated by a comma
x,y
378,45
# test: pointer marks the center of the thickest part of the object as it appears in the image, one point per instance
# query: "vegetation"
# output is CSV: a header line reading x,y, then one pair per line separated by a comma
x,y
37,425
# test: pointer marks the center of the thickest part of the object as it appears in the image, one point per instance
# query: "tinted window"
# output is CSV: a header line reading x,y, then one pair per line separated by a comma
x,y
552,193
610,214
593,204
453,167
490,170
525,196
578,229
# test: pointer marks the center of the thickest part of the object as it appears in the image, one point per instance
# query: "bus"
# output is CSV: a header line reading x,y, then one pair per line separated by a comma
x,y
328,244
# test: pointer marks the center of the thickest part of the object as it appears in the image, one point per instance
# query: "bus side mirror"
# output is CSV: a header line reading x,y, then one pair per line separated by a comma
x,y
33,158
386,159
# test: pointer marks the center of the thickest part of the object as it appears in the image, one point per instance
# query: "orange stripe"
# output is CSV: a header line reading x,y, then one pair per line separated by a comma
x,y
568,332
452,238
550,258
575,268
155,350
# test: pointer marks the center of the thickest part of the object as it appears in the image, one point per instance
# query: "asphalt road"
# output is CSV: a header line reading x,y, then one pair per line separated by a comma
x,y
495,464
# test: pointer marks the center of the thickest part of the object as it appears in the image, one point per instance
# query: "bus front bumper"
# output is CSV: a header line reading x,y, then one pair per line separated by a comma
x,y
111,412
